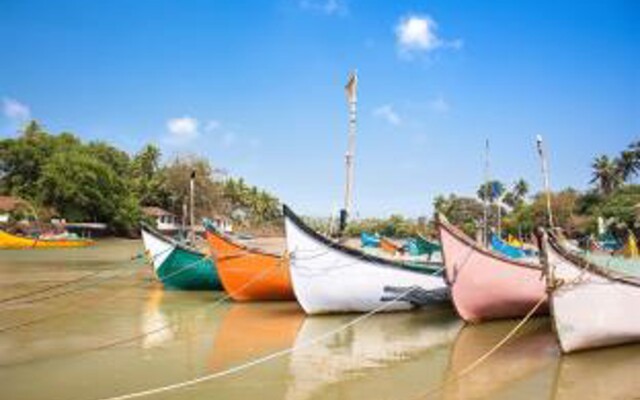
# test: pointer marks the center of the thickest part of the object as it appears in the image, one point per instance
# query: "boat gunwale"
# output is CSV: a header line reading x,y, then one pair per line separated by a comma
x,y
154,232
429,268
583,264
233,242
444,223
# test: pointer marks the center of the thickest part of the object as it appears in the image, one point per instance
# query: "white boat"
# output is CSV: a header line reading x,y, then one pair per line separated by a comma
x,y
591,306
328,277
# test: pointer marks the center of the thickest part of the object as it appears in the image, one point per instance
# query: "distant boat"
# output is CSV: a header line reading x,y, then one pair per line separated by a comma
x,y
505,248
9,241
387,245
329,277
419,245
249,273
591,306
369,240
177,265
486,285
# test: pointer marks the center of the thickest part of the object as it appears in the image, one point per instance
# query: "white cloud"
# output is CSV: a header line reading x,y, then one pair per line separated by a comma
x,y
15,111
182,130
439,105
387,113
327,7
418,34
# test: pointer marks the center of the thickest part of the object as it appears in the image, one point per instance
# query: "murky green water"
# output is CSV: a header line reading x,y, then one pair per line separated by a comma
x,y
118,332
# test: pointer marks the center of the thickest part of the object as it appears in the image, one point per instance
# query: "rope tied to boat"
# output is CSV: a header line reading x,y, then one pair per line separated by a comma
x,y
261,360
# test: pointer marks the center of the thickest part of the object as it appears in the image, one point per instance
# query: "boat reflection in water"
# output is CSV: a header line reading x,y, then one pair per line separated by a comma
x,y
252,330
384,356
610,373
154,323
524,365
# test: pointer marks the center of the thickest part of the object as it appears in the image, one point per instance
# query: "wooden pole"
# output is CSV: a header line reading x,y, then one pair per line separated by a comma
x,y
351,91
485,216
545,178
192,231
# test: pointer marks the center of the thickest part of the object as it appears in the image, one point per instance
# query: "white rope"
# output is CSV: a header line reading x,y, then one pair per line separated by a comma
x,y
258,361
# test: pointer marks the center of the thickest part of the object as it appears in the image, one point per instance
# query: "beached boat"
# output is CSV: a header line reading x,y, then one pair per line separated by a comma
x,y
329,277
388,246
591,306
420,245
248,273
179,266
9,241
486,285
369,240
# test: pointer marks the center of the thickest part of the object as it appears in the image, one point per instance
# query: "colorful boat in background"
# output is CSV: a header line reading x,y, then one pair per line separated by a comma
x,y
177,265
591,306
9,241
388,246
369,240
249,273
486,285
506,249
420,245
328,277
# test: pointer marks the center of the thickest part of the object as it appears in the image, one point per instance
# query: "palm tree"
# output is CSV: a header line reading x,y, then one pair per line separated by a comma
x,y
606,174
520,189
628,164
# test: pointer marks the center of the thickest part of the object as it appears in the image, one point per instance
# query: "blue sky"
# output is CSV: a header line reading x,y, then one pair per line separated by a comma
x,y
257,87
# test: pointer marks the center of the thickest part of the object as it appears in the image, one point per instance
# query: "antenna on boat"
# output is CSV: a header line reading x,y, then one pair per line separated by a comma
x,y
351,92
545,177
192,232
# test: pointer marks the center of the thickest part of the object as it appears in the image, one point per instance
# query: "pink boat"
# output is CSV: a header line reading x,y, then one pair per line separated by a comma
x,y
486,285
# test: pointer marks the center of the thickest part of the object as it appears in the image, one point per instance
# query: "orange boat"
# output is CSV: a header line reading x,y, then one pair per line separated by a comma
x,y
389,246
247,273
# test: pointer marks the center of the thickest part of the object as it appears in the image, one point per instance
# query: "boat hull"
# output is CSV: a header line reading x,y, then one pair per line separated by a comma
x,y
248,274
9,241
329,278
178,267
590,309
486,286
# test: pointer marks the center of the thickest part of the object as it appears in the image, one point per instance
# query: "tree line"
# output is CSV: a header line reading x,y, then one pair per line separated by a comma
x,y
62,176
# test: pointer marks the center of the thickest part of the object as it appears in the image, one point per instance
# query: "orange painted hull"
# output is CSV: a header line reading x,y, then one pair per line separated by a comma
x,y
250,274
388,246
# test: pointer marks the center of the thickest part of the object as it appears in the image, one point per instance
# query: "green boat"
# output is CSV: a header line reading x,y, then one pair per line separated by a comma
x,y
419,245
179,266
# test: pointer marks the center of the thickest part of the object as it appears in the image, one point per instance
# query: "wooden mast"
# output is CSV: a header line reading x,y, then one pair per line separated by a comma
x,y
545,177
351,92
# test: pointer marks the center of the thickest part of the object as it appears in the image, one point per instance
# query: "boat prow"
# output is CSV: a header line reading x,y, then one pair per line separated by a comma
x,y
591,306
485,285
179,266
249,273
328,277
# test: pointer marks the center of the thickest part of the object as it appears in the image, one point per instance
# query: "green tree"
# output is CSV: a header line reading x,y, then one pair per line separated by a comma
x,y
606,173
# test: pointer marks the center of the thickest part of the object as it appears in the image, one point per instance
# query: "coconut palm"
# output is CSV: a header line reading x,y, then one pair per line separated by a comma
x,y
606,174
628,164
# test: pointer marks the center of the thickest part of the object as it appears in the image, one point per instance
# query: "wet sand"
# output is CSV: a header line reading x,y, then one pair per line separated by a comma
x,y
113,330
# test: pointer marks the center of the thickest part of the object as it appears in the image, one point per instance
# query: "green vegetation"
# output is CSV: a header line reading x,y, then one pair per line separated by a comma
x,y
615,199
95,182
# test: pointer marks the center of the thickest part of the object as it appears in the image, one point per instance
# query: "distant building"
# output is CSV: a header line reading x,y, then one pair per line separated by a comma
x,y
165,220
10,205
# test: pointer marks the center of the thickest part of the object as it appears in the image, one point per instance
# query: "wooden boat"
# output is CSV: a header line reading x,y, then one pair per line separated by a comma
x,y
420,245
329,277
179,266
506,249
9,241
248,273
388,246
369,240
591,306
486,285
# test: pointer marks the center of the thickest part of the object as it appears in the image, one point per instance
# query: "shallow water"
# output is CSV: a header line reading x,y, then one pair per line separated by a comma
x,y
114,331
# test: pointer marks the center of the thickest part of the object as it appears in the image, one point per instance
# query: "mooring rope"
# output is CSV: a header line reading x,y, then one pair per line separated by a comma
x,y
475,364
260,360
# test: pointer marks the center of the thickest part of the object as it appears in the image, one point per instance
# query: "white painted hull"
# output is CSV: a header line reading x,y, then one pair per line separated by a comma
x,y
328,278
157,250
591,309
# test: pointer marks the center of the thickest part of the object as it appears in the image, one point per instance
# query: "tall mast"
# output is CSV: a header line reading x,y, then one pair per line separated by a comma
x,y
485,216
192,231
545,177
351,92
